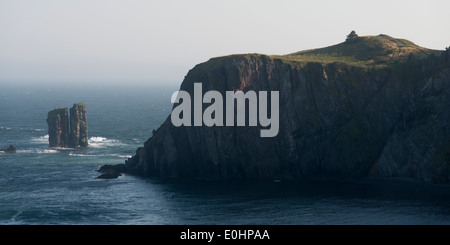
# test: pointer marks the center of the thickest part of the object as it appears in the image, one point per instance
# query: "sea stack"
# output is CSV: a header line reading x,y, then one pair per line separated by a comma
x,y
59,132
78,126
58,127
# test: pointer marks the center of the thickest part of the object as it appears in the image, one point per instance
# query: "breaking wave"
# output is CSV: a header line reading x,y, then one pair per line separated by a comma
x,y
39,151
95,142
40,139
102,142
99,155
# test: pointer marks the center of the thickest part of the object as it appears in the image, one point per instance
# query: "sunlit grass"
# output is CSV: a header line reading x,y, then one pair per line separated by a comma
x,y
375,51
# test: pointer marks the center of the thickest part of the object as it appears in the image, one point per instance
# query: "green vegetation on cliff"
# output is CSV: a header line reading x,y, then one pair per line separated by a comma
x,y
365,52
378,50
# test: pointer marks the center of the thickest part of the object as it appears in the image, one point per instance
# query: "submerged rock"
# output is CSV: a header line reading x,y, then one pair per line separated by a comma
x,y
109,175
111,171
119,168
9,149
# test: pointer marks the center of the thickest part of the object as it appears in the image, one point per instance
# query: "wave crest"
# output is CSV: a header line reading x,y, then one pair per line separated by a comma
x,y
94,142
40,139
99,155
102,142
39,151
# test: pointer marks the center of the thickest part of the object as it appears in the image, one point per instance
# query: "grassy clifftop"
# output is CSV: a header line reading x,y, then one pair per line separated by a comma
x,y
378,50
365,51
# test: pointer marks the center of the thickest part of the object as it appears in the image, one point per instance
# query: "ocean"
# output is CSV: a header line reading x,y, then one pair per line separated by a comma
x,y
45,186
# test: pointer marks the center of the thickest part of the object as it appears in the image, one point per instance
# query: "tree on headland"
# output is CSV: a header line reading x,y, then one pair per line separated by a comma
x,y
351,37
446,54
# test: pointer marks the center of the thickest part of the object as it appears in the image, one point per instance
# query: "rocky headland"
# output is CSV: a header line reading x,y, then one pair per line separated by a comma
x,y
370,106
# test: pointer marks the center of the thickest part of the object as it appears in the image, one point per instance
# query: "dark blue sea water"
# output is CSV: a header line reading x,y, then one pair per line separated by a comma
x,y
40,185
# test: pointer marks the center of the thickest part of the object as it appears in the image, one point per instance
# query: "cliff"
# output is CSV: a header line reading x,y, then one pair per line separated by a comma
x,y
376,106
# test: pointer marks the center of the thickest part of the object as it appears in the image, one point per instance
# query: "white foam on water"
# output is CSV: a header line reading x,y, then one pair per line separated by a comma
x,y
125,156
40,139
99,155
95,142
102,142
47,151
39,151
82,155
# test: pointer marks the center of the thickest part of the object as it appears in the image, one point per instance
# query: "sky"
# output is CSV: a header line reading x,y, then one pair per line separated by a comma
x,y
158,42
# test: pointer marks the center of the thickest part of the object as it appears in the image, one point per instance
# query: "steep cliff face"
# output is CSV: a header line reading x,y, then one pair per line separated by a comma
x,y
419,145
338,119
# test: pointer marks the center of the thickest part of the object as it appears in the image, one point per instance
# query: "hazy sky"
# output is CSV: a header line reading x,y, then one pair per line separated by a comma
x,y
142,41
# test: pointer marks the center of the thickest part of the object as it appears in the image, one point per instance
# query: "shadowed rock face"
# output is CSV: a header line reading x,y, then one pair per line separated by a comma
x,y
58,128
78,126
335,119
111,171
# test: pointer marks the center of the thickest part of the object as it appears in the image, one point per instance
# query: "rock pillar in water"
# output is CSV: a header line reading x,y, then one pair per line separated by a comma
x,y
58,128
78,136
